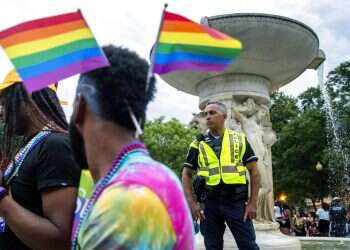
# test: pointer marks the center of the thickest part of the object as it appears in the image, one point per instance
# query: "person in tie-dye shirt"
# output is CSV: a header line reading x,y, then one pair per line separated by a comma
x,y
137,202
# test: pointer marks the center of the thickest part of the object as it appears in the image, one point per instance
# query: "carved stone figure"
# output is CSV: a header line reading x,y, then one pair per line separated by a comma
x,y
255,122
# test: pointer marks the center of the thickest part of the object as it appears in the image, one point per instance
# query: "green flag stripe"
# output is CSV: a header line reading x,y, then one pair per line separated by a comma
x,y
164,48
36,58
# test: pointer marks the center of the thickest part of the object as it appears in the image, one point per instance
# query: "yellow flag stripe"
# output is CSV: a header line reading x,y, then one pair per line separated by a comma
x,y
198,39
47,43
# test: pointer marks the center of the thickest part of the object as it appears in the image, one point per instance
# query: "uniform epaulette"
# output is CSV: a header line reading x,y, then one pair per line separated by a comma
x,y
195,143
200,137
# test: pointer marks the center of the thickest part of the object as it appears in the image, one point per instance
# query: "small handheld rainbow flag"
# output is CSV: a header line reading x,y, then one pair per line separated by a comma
x,y
185,45
50,49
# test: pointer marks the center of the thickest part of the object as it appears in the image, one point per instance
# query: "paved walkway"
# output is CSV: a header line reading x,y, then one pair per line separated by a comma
x,y
229,243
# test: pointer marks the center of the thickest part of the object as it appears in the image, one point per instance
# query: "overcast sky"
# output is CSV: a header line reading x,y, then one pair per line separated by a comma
x,y
134,24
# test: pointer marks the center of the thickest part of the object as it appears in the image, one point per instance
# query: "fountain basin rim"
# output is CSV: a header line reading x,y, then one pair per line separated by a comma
x,y
261,15
337,239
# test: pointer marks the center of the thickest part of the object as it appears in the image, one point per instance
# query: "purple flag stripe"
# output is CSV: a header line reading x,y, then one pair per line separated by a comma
x,y
188,66
42,81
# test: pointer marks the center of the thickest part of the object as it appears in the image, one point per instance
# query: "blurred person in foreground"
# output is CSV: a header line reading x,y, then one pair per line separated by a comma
x,y
40,178
137,203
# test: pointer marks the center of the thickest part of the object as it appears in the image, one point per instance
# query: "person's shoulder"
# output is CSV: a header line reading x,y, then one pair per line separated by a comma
x,y
55,142
154,175
55,138
155,171
130,211
123,193
199,138
119,200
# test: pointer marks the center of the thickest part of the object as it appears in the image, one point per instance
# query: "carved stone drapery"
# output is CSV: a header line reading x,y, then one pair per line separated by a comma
x,y
254,120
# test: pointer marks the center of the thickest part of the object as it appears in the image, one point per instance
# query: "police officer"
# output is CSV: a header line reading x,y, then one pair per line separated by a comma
x,y
337,216
223,157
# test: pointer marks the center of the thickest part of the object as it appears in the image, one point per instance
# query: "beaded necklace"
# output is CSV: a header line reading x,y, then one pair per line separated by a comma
x,y
119,160
14,166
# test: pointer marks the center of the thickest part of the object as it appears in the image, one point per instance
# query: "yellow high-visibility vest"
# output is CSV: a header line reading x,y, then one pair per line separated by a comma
x,y
230,167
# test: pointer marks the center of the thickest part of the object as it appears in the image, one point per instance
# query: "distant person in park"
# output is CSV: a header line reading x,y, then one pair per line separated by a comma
x,y
39,186
223,157
299,222
137,203
348,222
286,222
311,225
278,211
323,219
337,217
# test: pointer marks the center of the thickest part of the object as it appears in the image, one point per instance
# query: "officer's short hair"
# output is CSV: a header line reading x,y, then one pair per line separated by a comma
x,y
220,104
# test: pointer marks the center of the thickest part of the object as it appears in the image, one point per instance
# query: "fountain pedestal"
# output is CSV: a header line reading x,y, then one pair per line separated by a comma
x,y
276,50
268,238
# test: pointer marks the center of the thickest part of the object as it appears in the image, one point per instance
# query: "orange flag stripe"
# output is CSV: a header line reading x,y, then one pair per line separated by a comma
x,y
181,26
40,33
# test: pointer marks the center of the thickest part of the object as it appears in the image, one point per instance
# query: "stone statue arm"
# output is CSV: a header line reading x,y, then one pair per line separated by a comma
x,y
251,207
238,116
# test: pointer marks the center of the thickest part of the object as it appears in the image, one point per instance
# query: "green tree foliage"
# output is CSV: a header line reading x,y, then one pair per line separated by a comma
x,y
302,142
301,127
283,109
168,142
338,86
303,139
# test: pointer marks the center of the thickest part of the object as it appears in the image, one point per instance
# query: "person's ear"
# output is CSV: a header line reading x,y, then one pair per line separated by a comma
x,y
79,112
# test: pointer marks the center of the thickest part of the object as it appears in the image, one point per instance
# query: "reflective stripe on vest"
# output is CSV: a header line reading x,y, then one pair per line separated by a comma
x,y
230,166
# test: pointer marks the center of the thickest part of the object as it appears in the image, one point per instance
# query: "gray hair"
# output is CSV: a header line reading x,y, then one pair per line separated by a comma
x,y
222,106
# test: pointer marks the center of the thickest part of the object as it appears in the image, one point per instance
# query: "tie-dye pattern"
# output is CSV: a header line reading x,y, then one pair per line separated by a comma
x,y
143,207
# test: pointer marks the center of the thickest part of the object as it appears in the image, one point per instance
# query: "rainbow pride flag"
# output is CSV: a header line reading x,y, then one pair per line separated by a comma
x,y
50,49
186,45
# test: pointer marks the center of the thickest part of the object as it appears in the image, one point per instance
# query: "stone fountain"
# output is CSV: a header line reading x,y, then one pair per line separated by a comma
x,y
276,50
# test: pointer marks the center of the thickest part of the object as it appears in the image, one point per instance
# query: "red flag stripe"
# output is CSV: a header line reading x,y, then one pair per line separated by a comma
x,y
175,17
41,23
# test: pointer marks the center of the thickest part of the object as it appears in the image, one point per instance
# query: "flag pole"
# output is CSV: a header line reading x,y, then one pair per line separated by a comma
x,y
99,47
154,49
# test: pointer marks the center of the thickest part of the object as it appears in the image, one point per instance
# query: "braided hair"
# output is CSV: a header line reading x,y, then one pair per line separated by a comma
x,y
47,111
